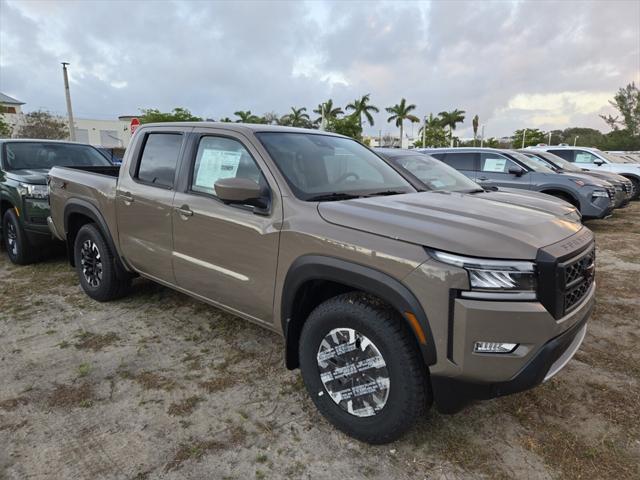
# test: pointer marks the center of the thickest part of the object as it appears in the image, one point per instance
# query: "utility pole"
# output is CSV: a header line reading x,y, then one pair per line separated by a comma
x,y
575,140
379,138
424,133
549,139
482,138
72,128
524,134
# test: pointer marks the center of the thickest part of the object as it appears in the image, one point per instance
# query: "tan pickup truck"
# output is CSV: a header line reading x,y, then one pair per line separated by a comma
x,y
388,298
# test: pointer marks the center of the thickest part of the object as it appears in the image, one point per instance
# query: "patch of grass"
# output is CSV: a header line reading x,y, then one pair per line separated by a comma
x,y
68,396
260,474
84,369
185,407
149,380
262,458
63,344
217,384
95,341
194,362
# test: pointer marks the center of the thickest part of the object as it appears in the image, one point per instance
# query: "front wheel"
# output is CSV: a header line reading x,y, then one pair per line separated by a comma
x,y
19,250
99,271
362,368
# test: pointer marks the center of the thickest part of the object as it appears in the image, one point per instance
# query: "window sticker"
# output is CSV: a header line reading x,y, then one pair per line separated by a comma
x,y
494,164
216,164
583,157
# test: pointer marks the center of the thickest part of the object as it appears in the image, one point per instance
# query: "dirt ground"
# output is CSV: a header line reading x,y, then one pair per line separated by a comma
x,y
158,385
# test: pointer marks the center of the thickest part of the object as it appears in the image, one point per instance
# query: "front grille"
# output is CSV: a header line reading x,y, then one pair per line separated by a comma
x,y
612,194
579,274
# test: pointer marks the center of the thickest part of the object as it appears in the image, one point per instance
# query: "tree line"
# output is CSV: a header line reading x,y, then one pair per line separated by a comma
x,y
435,131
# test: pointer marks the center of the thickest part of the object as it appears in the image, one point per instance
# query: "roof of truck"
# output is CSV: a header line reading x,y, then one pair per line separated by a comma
x,y
239,127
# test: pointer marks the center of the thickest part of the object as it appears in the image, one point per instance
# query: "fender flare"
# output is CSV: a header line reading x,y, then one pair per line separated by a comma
x,y
85,208
561,189
360,277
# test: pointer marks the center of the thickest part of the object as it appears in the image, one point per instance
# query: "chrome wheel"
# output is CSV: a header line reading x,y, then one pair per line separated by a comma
x,y
353,372
12,239
91,263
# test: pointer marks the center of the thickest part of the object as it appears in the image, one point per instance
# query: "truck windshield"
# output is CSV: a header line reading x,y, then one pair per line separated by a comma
x,y
532,164
41,155
559,161
434,174
323,167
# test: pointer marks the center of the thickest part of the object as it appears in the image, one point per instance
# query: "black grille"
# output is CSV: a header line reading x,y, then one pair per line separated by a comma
x,y
612,194
578,277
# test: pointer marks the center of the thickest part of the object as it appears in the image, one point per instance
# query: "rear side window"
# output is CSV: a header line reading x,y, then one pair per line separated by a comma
x,y
218,158
460,161
566,154
159,159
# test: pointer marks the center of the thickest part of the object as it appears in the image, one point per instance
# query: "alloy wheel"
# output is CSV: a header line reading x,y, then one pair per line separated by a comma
x,y
91,263
12,239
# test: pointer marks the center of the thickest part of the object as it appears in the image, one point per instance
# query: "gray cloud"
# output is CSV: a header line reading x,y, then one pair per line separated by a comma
x,y
547,64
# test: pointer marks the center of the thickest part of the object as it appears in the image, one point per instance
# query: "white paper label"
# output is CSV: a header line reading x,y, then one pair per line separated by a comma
x,y
494,165
214,165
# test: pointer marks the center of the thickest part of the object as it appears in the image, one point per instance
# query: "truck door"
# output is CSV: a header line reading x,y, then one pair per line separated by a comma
x,y
497,170
225,253
144,203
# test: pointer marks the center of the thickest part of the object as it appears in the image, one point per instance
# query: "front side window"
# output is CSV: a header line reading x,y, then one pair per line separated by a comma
x,y
316,166
435,174
530,163
586,157
159,159
496,163
218,158
34,155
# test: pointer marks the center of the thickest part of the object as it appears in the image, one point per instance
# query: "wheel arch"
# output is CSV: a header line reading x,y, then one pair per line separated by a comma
x,y
312,279
573,199
78,213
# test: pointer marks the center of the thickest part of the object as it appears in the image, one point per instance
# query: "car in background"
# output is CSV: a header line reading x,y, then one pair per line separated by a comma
x,y
433,175
24,194
114,155
624,187
597,160
507,168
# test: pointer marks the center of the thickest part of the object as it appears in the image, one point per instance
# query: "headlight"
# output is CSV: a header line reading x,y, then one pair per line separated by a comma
x,y
33,191
494,279
600,193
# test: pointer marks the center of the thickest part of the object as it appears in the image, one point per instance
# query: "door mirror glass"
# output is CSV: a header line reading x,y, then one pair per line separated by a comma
x,y
598,162
239,190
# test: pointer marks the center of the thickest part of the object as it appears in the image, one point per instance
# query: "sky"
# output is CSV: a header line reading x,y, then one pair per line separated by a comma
x,y
534,64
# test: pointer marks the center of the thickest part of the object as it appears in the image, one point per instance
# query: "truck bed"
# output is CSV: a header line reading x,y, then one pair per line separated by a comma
x,y
83,185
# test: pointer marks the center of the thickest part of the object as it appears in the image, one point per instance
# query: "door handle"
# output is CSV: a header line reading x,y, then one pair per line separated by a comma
x,y
184,211
482,179
127,198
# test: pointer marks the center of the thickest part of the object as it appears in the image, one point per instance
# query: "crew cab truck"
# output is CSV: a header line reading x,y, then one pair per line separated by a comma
x,y
387,298
24,206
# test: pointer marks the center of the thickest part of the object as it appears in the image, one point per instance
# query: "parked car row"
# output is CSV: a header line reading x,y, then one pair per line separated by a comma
x,y
395,280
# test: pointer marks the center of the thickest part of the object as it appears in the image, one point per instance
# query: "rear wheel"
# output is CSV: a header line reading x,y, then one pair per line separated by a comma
x,y
19,250
362,368
636,188
99,271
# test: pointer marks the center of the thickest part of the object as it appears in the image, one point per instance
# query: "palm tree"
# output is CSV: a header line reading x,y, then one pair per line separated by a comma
x,y
327,111
476,122
225,120
246,117
361,107
271,118
433,130
297,117
401,113
451,119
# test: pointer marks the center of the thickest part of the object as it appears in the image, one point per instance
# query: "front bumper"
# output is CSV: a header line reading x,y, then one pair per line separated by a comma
x,y
599,207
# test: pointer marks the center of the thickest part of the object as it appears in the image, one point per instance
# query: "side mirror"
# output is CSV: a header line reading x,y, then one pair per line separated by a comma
x,y
240,191
517,171
598,162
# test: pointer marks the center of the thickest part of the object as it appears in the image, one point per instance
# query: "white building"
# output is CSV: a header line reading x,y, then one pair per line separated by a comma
x,y
101,133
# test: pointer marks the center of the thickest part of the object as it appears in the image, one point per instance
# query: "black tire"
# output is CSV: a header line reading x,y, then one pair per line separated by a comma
x,y
566,197
15,241
408,392
636,186
100,273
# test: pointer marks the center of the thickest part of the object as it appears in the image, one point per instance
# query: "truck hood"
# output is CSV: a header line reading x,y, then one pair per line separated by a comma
x,y
36,176
454,222
535,200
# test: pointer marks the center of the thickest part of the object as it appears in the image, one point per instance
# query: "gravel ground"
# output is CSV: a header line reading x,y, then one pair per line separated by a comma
x,y
158,385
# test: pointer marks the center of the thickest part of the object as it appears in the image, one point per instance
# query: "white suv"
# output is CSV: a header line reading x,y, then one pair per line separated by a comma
x,y
597,160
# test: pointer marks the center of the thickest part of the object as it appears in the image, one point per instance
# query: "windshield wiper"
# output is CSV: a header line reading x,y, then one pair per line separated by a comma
x,y
327,197
384,192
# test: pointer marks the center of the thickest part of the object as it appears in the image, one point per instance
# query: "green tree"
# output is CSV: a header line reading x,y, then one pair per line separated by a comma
x,y
226,120
475,123
532,137
361,107
451,119
42,124
297,118
330,112
587,137
5,128
627,102
348,126
271,118
247,117
179,114
401,112
433,133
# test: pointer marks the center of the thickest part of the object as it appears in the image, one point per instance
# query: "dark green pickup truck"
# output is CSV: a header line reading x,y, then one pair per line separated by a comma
x,y
24,194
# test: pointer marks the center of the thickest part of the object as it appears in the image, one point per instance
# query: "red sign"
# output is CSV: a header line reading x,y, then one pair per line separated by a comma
x,y
135,123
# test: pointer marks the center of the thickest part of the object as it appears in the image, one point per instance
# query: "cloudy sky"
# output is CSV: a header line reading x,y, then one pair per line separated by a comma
x,y
516,64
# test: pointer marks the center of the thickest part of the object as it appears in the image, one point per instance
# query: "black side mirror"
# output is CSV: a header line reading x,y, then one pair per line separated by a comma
x,y
517,171
598,162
